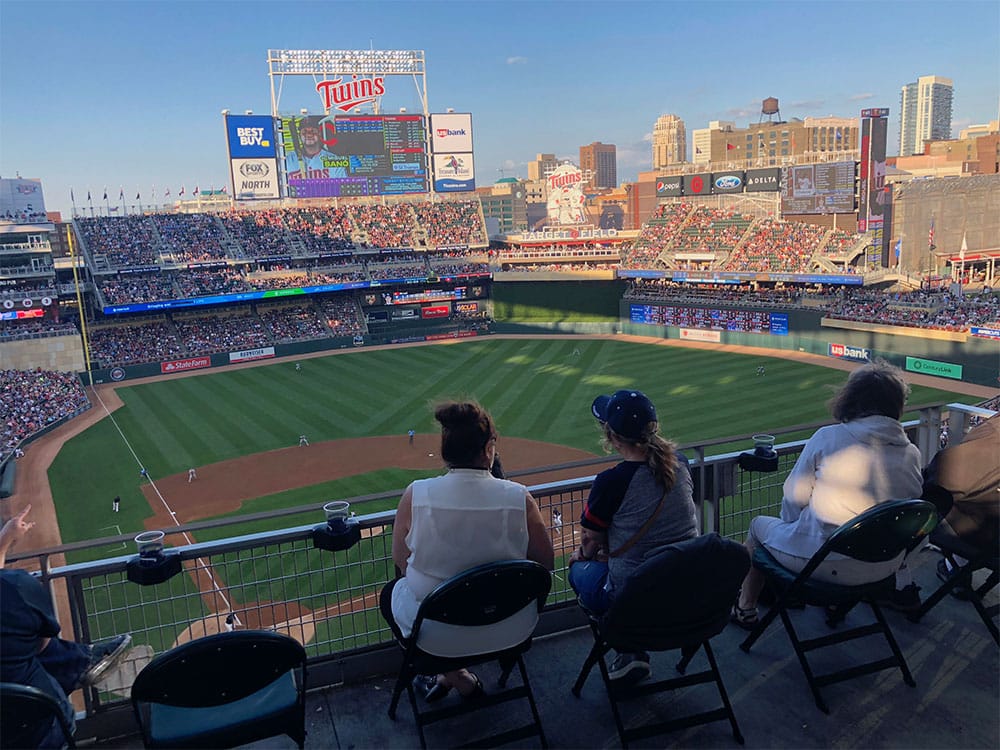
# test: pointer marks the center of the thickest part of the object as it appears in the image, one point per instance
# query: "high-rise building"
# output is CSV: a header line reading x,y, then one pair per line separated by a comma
x,y
669,141
774,144
701,140
601,159
543,163
924,113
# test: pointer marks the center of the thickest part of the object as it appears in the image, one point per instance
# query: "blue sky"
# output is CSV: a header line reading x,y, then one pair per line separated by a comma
x,y
96,94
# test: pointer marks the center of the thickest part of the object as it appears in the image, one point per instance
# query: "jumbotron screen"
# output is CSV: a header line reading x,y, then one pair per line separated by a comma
x,y
354,155
818,188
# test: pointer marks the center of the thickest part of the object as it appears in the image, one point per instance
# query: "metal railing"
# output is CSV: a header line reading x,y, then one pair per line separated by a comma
x,y
276,578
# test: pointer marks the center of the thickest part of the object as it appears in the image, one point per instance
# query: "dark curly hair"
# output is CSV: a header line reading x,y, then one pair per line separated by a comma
x,y
466,429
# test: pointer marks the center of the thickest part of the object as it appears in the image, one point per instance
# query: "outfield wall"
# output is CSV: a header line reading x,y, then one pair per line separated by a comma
x,y
960,356
296,349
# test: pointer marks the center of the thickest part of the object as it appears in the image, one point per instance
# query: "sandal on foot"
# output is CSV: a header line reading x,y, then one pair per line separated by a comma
x,y
745,618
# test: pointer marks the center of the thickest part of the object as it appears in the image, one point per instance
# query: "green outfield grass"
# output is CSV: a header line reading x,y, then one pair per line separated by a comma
x,y
536,388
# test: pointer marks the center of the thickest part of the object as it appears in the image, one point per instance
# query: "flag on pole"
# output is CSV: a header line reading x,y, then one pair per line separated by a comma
x,y
965,246
899,246
71,198
88,197
121,192
105,193
195,190
166,194
137,194
730,147
930,236
182,191
697,150
225,189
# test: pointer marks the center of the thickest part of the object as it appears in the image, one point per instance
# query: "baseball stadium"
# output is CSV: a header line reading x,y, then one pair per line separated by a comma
x,y
189,387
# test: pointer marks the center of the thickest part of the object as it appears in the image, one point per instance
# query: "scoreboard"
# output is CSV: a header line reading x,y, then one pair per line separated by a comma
x,y
354,155
826,188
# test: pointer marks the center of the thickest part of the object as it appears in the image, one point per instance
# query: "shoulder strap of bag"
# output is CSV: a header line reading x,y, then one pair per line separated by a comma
x,y
641,532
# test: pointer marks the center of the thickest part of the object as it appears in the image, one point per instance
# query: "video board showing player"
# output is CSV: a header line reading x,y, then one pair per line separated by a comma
x,y
354,155
818,188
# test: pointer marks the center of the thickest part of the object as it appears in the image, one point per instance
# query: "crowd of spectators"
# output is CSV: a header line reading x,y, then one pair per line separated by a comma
x,y
34,328
31,400
23,217
385,226
190,238
205,283
710,230
343,316
239,329
260,233
656,235
938,310
28,290
134,344
293,323
839,242
451,223
149,287
776,245
123,240
667,290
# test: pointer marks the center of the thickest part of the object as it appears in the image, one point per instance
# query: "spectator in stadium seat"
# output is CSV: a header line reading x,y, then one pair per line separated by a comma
x,y
843,470
30,652
643,503
454,522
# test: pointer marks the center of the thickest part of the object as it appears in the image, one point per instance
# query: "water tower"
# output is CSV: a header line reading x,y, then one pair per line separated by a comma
x,y
769,109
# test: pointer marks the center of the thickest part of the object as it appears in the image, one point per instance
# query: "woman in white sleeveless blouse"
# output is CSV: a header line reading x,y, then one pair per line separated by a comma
x,y
454,522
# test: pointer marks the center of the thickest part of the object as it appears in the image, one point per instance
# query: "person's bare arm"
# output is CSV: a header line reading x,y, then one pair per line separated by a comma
x,y
14,531
539,542
401,527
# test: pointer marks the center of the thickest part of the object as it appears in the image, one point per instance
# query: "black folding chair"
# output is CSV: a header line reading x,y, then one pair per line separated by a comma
x,y
677,599
489,598
223,690
26,716
877,535
978,559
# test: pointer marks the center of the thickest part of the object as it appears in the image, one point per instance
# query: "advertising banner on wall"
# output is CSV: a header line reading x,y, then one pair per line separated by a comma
x,y
250,136
254,179
451,133
454,173
697,184
727,182
763,180
668,187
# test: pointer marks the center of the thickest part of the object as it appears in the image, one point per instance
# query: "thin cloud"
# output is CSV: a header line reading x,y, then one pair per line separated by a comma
x,y
517,60
647,138
860,97
808,104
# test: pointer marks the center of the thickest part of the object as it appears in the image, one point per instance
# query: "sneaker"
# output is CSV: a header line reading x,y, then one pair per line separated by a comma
x,y
103,656
946,573
906,599
628,668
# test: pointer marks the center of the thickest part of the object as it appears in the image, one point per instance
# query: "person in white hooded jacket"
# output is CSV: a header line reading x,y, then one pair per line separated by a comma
x,y
843,470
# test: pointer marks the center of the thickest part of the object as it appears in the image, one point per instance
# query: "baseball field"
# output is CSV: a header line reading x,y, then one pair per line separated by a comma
x,y
240,428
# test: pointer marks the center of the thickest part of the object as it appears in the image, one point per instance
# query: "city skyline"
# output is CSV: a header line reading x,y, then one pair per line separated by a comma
x,y
90,101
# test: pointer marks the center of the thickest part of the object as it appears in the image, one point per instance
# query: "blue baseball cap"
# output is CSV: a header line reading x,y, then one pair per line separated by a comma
x,y
625,412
